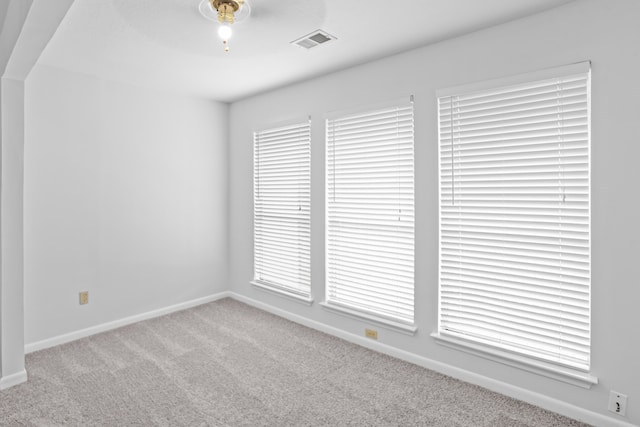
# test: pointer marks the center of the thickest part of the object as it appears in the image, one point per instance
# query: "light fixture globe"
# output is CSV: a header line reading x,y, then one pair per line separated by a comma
x,y
224,31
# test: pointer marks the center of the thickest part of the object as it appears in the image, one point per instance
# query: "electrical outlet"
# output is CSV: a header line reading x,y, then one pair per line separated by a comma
x,y
84,297
618,403
371,333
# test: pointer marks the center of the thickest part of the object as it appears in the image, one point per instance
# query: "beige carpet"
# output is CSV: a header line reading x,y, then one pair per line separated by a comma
x,y
228,364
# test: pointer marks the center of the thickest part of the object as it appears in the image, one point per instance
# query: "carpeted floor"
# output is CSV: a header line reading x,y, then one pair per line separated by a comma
x,y
228,364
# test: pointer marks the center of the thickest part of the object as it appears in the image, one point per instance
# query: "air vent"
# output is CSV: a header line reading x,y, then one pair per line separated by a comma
x,y
313,39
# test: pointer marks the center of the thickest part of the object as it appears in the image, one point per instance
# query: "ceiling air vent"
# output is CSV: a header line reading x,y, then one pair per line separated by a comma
x,y
313,39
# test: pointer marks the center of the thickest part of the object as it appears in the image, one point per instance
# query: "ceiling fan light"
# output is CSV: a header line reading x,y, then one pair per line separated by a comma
x,y
226,15
225,32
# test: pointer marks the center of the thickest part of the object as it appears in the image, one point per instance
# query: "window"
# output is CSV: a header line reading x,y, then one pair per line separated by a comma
x,y
514,215
370,214
281,209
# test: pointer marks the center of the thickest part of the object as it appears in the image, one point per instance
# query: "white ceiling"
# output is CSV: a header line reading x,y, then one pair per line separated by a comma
x,y
168,44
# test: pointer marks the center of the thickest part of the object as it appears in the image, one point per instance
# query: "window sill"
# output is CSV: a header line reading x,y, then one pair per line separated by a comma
x,y
559,373
306,300
379,321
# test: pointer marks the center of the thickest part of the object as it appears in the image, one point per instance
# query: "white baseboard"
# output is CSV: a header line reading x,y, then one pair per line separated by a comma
x,y
13,379
72,336
519,393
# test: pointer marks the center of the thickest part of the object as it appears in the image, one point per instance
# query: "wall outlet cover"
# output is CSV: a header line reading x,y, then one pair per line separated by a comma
x,y
617,403
371,333
84,297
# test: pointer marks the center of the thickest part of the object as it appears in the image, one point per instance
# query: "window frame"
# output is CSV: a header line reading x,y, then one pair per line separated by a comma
x,y
300,292
333,304
570,374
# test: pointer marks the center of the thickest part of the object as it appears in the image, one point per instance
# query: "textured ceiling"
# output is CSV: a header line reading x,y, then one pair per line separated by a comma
x,y
168,44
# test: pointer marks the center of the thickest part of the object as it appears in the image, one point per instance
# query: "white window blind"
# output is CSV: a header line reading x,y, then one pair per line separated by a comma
x,y
281,208
515,216
370,213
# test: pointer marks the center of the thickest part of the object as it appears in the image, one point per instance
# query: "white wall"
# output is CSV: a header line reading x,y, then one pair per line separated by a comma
x,y
605,32
12,18
24,33
11,227
125,196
